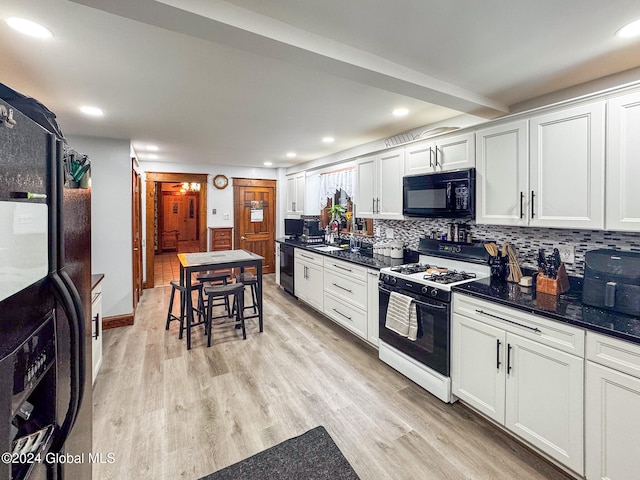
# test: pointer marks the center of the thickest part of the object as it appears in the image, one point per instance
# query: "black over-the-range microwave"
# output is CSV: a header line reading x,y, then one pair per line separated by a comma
x,y
447,194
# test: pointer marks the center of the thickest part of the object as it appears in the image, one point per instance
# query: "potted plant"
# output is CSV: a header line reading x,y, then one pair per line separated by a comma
x,y
337,213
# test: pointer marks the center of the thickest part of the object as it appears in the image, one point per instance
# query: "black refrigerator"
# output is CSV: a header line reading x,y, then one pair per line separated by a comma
x,y
45,305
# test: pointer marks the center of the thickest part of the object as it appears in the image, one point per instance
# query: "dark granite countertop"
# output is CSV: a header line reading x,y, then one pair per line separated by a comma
x,y
566,308
376,262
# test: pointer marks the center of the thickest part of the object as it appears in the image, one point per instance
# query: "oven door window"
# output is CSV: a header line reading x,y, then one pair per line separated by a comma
x,y
431,348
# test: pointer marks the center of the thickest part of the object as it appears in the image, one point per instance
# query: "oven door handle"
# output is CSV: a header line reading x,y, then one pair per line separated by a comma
x,y
426,304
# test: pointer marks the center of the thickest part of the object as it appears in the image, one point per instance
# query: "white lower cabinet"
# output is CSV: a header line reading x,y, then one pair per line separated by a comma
x,y
308,277
343,291
345,295
612,409
373,306
522,371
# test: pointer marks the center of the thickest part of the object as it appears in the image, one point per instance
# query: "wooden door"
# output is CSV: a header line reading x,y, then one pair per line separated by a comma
x,y
255,218
136,240
174,215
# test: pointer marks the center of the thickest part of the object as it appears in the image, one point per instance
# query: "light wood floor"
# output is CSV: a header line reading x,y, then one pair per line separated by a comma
x,y
169,413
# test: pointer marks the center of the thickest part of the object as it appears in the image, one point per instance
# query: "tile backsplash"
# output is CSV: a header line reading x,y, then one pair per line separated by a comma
x,y
526,240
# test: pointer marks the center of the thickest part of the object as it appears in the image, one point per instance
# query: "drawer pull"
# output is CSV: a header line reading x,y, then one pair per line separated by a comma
x,y
342,288
96,319
534,329
340,313
306,256
342,268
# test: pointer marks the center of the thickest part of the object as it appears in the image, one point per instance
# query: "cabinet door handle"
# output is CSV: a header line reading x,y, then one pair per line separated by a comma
x,y
437,155
377,205
340,313
430,155
373,205
96,319
521,204
534,329
498,362
342,288
533,196
508,358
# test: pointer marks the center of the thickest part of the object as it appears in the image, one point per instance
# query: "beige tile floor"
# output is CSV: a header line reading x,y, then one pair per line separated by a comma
x,y
167,266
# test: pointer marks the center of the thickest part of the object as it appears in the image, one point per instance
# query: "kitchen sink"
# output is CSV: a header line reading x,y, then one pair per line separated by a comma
x,y
327,248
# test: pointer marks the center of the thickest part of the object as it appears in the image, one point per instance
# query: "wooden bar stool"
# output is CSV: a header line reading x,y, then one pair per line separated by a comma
x,y
216,278
175,286
250,280
218,291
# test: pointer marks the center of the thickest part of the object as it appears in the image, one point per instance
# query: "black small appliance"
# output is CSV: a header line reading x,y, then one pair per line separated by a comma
x,y
612,280
440,195
293,227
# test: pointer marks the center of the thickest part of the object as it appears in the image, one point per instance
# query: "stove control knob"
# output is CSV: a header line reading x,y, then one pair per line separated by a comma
x,y
425,290
393,280
434,292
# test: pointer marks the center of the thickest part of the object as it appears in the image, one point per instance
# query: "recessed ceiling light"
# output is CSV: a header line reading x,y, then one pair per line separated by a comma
x,y
30,28
268,164
630,30
151,156
291,155
152,148
328,139
400,112
92,111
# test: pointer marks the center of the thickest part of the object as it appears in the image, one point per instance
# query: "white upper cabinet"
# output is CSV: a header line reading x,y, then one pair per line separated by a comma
x,y
379,188
502,183
312,194
295,193
547,171
566,168
440,155
623,163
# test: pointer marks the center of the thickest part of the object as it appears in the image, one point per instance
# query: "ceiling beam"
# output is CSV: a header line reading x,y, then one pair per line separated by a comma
x,y
239,28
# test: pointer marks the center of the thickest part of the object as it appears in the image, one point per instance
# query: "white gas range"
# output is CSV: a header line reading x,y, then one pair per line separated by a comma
x,y
427,285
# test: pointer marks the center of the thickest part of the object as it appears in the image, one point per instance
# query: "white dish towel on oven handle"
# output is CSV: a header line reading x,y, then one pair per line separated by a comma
x,y
402,316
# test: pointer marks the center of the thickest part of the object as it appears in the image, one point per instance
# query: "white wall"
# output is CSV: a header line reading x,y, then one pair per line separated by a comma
x,y
110,219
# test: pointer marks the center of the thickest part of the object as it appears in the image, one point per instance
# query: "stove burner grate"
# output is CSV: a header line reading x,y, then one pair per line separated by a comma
x,y
451,276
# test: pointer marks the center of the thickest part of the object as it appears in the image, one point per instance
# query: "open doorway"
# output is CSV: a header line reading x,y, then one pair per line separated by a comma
x,y
176,208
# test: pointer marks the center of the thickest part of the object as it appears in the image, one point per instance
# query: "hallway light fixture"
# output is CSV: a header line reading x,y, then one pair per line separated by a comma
x,y
190,187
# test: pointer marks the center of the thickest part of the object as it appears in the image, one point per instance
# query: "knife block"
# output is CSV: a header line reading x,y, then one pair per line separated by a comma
x,y
553,286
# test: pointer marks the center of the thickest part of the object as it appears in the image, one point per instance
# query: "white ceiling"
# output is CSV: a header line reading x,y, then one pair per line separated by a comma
x,y
245,81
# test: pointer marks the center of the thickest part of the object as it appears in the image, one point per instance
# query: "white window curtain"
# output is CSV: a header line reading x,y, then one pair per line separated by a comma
x,y
339,180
